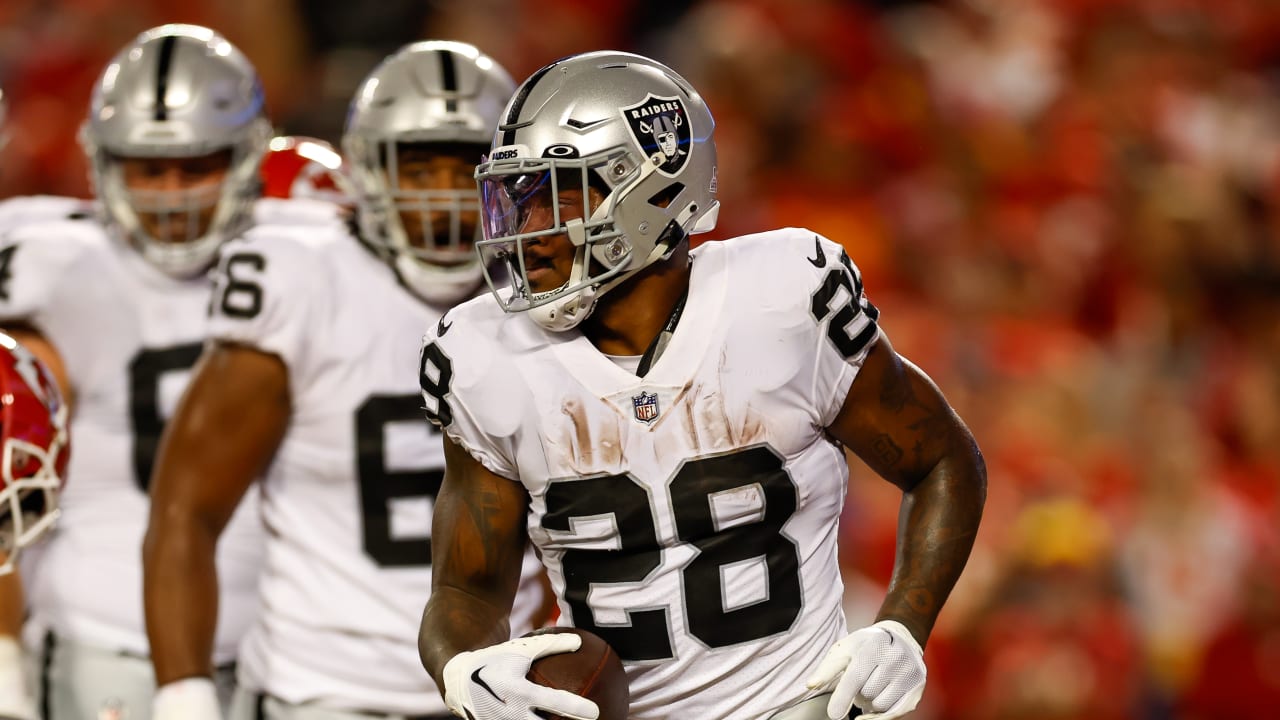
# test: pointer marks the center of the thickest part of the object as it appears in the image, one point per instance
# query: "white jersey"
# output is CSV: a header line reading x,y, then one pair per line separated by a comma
x,y
688,517
27,209
128,336
349,498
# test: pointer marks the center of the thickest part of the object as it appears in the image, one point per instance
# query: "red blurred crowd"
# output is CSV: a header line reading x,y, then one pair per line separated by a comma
x,y
1068,212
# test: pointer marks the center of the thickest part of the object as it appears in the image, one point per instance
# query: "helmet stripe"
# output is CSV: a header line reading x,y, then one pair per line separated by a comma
x,y
508,128
448,79
162,75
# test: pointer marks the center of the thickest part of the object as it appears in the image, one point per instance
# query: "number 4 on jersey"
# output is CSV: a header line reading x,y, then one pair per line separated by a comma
x,y
6,258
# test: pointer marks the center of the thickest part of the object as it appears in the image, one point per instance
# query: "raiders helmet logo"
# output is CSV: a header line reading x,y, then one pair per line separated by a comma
x,y
660,126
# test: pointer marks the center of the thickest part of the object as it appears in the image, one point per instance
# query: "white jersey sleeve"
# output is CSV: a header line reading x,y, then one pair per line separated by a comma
x,y
447,394
49,281
846,321
256,279
27,209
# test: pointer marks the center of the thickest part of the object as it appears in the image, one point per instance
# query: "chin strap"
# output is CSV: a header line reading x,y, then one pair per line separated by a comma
x,y
663,338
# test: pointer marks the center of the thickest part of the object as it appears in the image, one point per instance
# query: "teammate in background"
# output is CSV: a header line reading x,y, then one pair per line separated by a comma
x,y
668,427
33,462
15,699
114,301
310,379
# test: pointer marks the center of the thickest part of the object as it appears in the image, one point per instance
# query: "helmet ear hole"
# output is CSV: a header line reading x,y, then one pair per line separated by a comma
x,y
663,197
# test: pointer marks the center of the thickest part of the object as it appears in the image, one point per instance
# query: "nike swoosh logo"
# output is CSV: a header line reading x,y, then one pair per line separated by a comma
x,y
820,260
475,678
441,328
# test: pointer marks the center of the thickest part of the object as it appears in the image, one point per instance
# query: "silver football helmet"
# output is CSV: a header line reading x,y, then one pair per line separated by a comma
x,y
178,91
624,126
434,92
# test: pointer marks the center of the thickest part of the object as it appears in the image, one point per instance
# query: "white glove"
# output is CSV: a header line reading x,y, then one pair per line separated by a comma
x,y
490,683
193,698
14,700
879,668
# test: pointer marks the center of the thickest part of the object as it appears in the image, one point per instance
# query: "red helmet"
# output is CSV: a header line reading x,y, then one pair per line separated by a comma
x,y
297,166
34,449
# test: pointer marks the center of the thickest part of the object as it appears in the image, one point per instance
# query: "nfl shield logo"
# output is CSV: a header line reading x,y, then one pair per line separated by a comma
x,y
646,407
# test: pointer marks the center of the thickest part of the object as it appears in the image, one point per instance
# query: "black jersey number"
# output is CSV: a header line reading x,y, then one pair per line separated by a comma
x,y
380,485
435,372
757,472
844,276
6,259
241,295
146,371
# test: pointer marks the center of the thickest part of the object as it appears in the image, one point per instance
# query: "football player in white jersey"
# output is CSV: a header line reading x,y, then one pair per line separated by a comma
x,y
15,699
34,447
667,427
23,210
114,301
310,377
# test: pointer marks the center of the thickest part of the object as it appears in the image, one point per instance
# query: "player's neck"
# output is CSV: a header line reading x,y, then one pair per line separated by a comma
x,y
629,317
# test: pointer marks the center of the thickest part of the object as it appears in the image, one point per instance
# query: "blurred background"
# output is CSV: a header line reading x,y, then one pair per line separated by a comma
x,y
1068,212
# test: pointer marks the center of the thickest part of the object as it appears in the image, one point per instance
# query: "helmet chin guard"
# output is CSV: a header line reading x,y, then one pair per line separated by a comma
x,y
567,309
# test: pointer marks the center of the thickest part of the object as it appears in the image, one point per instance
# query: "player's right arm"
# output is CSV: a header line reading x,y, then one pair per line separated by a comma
x,y
477,544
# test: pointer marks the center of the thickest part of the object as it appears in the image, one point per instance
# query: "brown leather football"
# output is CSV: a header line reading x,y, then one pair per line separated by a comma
x,y
594,671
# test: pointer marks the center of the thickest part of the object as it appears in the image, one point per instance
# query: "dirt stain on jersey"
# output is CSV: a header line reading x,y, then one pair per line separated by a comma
x,y
712,426
590,449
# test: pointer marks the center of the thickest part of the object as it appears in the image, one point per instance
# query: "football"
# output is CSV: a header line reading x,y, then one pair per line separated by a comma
x,y
594,672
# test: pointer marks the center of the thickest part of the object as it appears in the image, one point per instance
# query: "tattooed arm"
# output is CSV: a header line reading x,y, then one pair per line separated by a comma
x,y
898,422
477,544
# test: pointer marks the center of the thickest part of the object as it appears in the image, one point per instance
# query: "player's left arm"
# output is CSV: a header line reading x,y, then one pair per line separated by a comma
x,y
896,420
